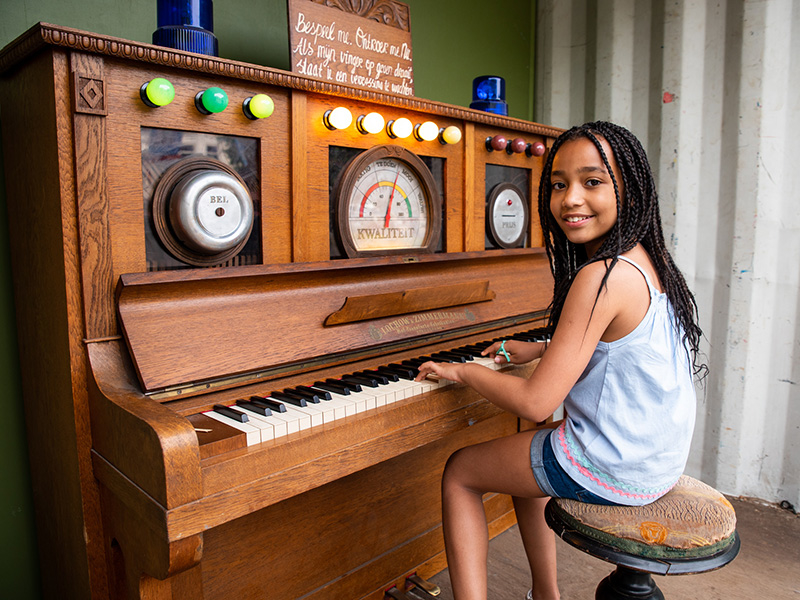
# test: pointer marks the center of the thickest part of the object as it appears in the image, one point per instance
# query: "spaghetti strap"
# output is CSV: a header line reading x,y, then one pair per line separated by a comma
x,y
653,291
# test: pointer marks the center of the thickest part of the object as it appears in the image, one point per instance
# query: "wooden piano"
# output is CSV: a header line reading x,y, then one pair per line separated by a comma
x,y
129,336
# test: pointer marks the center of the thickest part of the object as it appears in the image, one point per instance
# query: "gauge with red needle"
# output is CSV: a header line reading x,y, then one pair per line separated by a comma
x,y
388,204
391,199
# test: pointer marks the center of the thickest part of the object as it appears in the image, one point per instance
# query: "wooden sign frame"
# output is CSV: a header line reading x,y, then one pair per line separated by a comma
x,y
367,46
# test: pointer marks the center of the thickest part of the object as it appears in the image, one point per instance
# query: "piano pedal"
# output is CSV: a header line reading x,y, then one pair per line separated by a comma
x,y
393,592
421,588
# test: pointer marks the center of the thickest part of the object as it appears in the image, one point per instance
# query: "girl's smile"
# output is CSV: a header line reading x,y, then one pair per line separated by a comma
x,y
582,200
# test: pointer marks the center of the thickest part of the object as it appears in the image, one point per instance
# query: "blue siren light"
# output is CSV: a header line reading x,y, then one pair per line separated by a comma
x,y
489,94
186,25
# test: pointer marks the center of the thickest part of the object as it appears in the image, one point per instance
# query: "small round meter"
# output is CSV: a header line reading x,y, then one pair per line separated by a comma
x,y
507,216
203,211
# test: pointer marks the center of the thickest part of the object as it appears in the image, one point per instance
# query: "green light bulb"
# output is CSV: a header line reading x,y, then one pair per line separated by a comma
x,y
213,100
259,106
157,92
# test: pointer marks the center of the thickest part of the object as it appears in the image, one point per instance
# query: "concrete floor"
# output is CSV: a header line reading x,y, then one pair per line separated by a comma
x,y
767,567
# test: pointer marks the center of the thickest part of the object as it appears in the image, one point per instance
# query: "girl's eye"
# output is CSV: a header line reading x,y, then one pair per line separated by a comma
x,y
593,182
557,185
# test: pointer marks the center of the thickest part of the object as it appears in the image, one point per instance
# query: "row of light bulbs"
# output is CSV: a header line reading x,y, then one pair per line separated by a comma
x,y
341,118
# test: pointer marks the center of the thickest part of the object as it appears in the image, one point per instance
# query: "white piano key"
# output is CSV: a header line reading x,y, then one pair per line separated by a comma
x,y
329,412
252,434
341,402
279,427
315,414
293,420
402,389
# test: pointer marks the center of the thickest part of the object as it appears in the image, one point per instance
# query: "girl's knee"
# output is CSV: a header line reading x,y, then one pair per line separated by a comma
x,y
457,472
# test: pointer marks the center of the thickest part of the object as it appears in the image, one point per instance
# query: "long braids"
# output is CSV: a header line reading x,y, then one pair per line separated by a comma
x,y
638,222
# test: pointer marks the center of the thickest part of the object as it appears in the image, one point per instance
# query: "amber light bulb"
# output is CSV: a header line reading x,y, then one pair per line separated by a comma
x,y
450,135
370,123
426,132
399,128
338,118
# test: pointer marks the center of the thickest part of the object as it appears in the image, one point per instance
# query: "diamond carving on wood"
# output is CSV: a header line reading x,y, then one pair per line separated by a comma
x,y
89,95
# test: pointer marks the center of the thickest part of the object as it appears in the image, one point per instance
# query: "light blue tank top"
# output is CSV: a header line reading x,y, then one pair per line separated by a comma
x,y
630,415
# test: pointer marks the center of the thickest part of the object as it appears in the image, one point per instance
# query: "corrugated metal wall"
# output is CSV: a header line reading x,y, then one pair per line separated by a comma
x,y
713,91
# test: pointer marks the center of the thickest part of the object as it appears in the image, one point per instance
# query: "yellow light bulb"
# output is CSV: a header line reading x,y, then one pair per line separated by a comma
x,y
427,131
370,123
338,118
399,128
450,135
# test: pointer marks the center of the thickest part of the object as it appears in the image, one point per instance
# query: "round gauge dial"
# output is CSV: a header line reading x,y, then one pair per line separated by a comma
x,y
388,204
507,216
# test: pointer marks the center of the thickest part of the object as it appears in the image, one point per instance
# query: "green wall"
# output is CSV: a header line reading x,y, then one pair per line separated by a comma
x,y
453,41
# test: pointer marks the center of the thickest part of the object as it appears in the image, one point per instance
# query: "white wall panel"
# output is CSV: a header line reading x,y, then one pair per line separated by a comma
x,y
712,88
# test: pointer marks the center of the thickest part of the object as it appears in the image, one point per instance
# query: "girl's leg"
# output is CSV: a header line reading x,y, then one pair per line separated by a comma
x,y
540,546
503,466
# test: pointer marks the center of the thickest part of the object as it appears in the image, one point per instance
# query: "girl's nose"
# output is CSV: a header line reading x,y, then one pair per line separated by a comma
x,y
572,197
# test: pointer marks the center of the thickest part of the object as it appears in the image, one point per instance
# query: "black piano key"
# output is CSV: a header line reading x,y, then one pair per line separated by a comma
x,y
271,404
253,407
381,378
323,394
314,399
231,413
332,385
463,353
523,336
310,395
399,370
365,381
289,399
449,357
414,362
352,386
329,387
473,349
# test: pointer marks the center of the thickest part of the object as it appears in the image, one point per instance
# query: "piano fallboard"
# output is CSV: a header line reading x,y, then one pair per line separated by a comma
x,y
288,317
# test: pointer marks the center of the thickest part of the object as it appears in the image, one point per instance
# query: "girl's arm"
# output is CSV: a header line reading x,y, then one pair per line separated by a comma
x,y
581,325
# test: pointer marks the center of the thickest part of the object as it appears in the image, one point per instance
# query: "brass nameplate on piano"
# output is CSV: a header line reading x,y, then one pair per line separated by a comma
x,y
375,306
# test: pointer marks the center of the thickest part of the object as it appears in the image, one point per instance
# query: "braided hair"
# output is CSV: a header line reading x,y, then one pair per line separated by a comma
x,y
638,222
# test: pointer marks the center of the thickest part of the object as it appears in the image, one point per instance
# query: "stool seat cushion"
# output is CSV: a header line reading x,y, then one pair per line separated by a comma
x,y
692,520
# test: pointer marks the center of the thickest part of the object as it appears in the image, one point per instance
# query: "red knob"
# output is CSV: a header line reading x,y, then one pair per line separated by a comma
x,y
518,145
497,142
535,149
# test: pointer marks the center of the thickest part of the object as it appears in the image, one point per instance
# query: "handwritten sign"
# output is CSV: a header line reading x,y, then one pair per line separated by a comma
x,y
348,49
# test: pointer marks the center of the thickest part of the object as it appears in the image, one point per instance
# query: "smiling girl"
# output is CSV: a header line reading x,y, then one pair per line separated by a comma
x,y
621,359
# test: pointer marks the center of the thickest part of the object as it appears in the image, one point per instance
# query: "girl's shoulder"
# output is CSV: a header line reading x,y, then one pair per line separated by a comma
x,y
623,273
621,296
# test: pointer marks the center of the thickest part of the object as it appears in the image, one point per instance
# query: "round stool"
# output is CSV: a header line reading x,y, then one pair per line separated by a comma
x,y
691,529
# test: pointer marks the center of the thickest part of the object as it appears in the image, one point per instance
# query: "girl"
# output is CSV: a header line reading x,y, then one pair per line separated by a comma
x,y
621,359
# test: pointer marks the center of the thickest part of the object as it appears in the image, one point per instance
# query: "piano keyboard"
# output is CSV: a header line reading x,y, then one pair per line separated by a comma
x,y
280,413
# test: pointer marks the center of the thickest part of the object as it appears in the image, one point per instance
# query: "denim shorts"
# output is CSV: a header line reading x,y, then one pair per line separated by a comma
x,y
551,477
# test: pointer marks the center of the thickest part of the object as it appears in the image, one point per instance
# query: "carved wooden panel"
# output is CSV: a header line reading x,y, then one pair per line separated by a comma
x,y
388,12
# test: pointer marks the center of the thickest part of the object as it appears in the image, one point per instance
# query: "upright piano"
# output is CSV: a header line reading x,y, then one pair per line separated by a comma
x,y
176,268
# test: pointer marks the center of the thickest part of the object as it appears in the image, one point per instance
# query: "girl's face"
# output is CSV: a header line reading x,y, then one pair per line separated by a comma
x,y
582,199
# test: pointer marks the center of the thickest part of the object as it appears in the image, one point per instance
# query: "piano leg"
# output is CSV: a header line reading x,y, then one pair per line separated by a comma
x,y
140,567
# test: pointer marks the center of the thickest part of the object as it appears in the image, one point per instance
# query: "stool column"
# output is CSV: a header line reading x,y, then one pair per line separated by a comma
x,y
627,584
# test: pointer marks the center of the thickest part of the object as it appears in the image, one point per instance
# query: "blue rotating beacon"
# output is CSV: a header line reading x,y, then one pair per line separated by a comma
x,y
186,25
